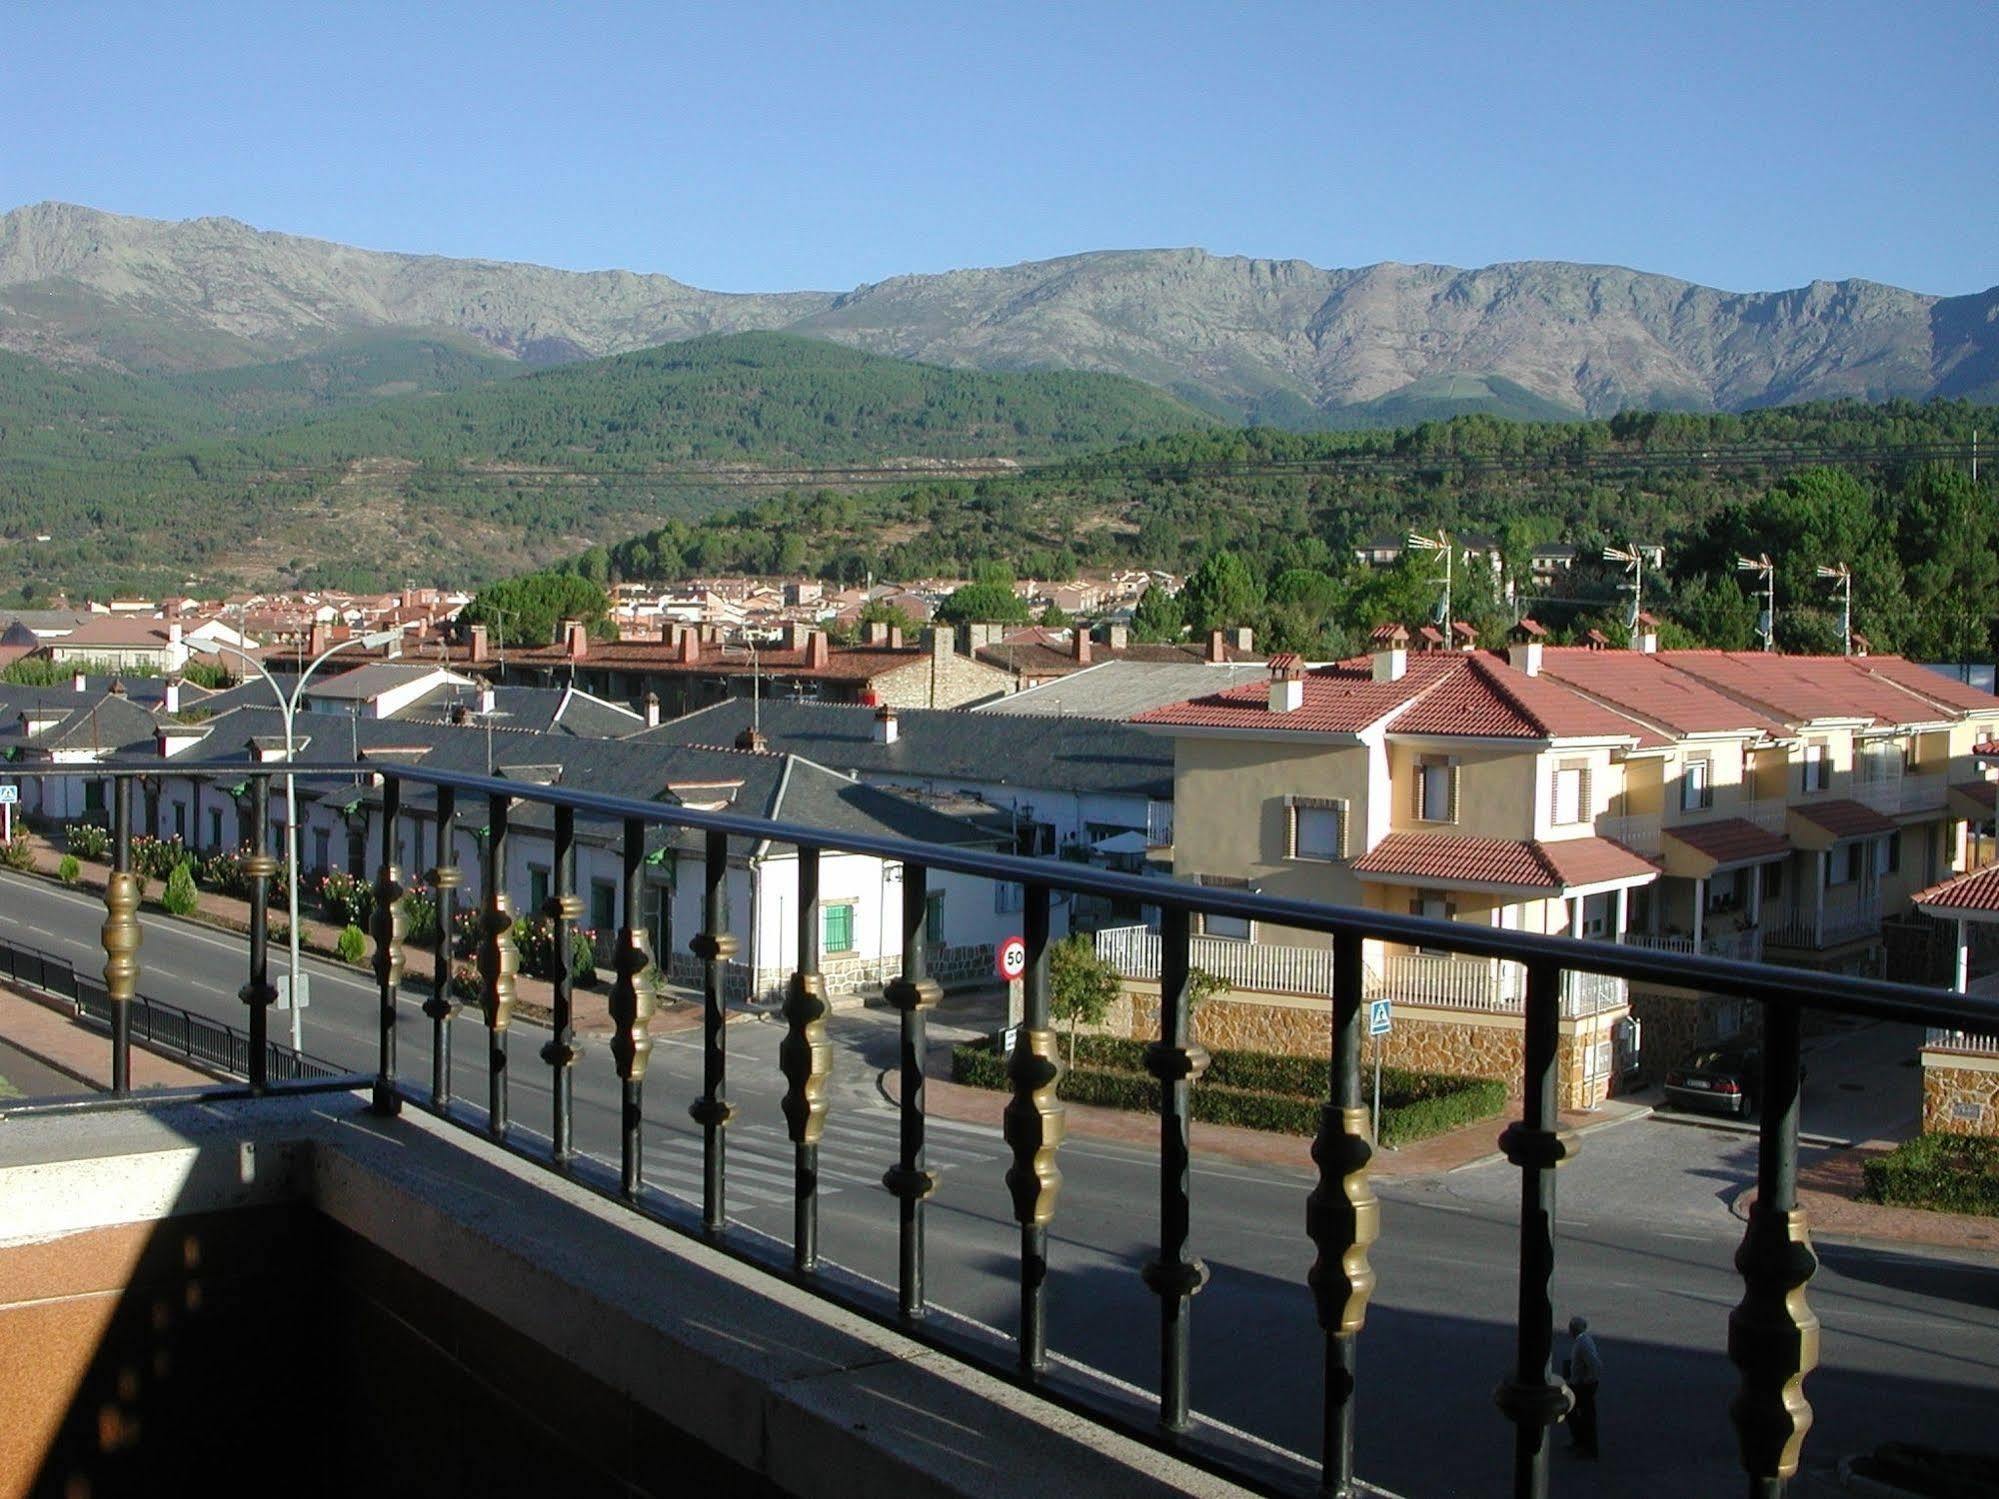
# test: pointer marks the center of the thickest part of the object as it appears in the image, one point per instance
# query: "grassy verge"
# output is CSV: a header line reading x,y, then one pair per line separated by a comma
x,y
1251,1089
1949,1173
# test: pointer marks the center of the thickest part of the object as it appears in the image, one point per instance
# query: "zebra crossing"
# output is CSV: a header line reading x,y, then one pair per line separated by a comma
x,y
859,1144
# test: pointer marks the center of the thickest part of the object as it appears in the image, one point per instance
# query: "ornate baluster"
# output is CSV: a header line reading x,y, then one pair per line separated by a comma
x,y
1342,1218
499,961
1173,1277
1532,1398
1033,1129
914,993
390,926
805,1057
445,881
120,935
1773,1335
632,1001
259,992
712,1110
562,908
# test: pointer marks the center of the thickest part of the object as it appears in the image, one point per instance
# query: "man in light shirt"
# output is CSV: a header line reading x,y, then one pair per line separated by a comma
x,y
1584,1368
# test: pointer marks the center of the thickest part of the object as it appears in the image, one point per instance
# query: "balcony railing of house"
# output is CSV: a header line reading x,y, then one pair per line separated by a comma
x,y
1768,813
1259,967
1744,946
1159,824
1771,1336
1844,917
1638,832
1976,1043
1902,793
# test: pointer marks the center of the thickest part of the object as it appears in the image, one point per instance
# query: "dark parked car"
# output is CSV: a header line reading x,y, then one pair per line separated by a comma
x,y
1722,1078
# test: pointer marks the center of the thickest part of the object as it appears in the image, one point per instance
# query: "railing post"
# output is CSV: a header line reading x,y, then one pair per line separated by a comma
x,y
499,962
913,994
1773,1334
445,881
560,1052
390,925
632,1001
120,936
259,993
712,1110
1531,1397
805,1057
1174,1277
1033,1130
1342,1218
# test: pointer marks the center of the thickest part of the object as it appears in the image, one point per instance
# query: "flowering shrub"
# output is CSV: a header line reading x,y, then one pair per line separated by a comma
x,y
17,852
535,937
347,901
157,858
465,984
87,840
420,915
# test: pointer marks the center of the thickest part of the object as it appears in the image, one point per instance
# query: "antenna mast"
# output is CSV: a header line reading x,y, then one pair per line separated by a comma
x,y
1441,542
1767,570
1844,575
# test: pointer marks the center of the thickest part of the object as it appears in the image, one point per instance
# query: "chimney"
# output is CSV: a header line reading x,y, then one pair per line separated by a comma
x,y
1079,645
1645,637
1218,648
690,646
877,632
117,687
460,714
1287,683
317,638
943,641
1390,664
895,637
486,698
1861,644
652,710
818,651
752,738
575,639
1243,638
79,681
171,697
885,725
1119,637
1525,656
174,633
794,635
481,644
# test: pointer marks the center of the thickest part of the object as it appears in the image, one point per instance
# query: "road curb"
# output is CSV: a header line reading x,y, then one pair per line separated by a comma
x,y
1734,1127
1642,1111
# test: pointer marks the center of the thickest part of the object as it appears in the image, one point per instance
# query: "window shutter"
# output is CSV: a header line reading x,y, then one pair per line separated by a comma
x,y
1290,827
1341,810
1585,806
1451,809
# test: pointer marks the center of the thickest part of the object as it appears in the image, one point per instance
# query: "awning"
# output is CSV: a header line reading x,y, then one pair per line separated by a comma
x,y
1817,826
1697,851
1122,843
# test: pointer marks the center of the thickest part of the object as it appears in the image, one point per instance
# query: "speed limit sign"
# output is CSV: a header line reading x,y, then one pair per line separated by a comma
x,y
1012,958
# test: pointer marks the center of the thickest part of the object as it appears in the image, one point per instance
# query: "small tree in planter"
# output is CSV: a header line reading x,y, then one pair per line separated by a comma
x,y
68,871
17,853
179,898
1081,986
350,944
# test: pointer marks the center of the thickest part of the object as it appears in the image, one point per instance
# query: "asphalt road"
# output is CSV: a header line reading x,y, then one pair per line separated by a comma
x,y
1910,1342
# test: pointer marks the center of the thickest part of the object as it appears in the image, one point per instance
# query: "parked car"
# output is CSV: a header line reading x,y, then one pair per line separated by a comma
x,y
1722,1078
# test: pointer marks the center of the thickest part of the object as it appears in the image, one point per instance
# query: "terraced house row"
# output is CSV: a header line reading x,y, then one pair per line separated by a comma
x,y
1756,806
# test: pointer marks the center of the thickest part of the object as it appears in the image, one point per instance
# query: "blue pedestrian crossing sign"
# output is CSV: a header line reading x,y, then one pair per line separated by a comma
x,y
1377,1017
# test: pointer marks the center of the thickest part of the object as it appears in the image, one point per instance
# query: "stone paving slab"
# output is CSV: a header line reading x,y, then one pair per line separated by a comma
x,y
47,1033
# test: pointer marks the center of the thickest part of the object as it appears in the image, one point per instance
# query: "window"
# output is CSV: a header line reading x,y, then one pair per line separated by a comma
x,y
1880,761
1212,925
1696,786
604,905
321,839
1437,908
180,822
1316,828
1888,854
1008,896
93,797
1571,798
537,888
1436,789
1773,881
214,828
1842,867
839,924
933,919
1818,766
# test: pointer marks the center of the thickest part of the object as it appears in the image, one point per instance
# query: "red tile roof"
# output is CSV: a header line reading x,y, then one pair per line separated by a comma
x,y
1499,861
1846,819
1876,689
1645,685
1731,840
1440,692
657,657
1965,892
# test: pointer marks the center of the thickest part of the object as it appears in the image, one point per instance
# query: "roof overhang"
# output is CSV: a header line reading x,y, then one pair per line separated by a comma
x,y
1815,837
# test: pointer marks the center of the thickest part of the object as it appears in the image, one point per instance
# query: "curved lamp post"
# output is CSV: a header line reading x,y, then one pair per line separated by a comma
x,y
287,709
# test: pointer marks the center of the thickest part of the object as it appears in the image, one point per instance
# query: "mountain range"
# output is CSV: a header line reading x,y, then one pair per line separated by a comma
x,y
1277,341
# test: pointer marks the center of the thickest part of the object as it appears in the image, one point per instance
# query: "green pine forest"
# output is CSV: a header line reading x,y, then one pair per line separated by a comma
x,y
395,458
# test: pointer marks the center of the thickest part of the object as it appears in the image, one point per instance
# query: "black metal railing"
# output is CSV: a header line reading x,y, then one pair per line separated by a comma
x,y
1772,1335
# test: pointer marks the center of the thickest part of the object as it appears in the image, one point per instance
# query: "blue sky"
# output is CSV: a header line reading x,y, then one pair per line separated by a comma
x,y
765,147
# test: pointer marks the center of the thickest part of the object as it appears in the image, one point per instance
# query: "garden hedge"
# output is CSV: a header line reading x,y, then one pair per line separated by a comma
x,y
1949,1173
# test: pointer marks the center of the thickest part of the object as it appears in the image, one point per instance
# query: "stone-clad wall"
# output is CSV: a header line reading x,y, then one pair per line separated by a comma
x,y
952,967
1423,1039
940,680
1960,1094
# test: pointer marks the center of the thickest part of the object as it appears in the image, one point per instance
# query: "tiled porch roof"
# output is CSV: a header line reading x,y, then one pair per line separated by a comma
x,y
1731,840
1525,864
1845,819
1973,896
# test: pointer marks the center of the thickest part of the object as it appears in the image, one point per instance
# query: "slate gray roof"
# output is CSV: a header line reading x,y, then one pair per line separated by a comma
x,y
104,723
949,745
542,710
365,683
1123,689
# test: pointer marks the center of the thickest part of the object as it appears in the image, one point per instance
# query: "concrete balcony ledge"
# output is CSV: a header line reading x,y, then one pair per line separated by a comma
x,y
573,1303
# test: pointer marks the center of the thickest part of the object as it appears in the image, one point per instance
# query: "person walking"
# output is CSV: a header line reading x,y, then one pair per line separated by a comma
x,y
1584,1368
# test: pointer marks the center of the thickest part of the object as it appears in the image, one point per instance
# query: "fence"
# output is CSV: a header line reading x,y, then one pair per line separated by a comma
x,y
1771,1336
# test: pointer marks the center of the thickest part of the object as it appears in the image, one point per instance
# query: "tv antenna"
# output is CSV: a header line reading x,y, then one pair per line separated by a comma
x,y
1766,625
1844,575
1441,542
1635,560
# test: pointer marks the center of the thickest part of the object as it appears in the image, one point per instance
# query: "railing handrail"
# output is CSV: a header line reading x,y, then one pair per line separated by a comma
x,y
1844,994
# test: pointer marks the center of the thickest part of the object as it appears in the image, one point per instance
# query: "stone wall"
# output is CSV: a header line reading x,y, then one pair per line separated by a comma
x,y
1460,1042
940,679
952,967
1960,1094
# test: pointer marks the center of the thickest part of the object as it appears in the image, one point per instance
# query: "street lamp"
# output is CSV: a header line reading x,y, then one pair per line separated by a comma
x,y
287,710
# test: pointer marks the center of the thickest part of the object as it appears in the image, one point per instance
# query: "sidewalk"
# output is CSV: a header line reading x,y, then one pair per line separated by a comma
x,y
46,1032
1828,1191
1470,1146
533,997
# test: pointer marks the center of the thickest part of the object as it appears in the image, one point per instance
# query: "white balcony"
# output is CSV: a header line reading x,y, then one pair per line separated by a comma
x,y
1842,917
1973,1042
1485,984
1639,832
1743,946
